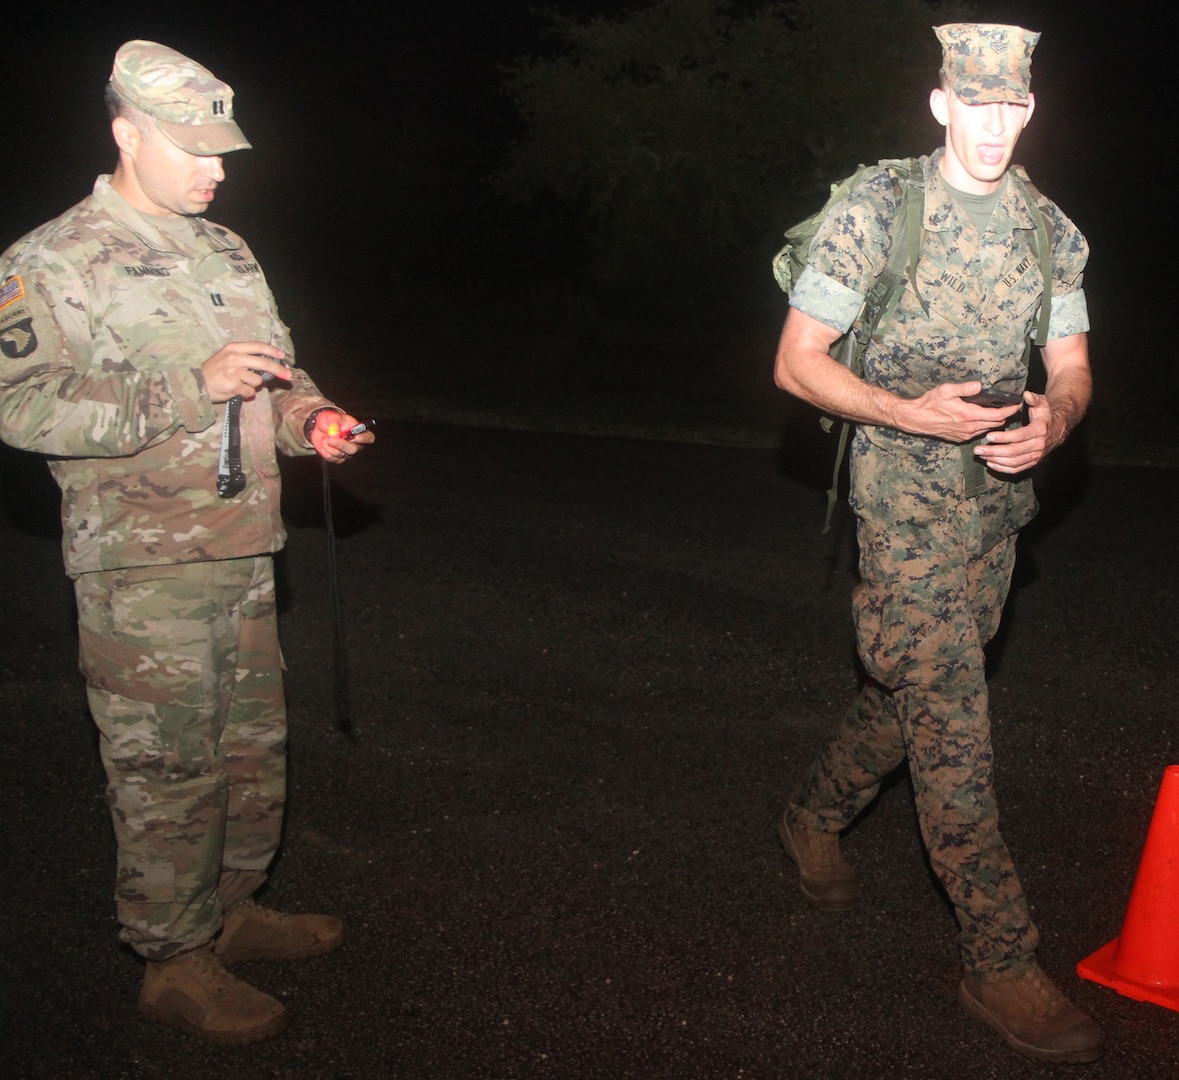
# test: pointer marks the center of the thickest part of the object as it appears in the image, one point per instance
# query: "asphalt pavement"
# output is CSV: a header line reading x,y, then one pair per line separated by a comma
x,y
582,673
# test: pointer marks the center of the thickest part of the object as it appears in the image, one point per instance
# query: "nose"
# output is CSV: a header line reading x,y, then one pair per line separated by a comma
x,y
996,121
213,169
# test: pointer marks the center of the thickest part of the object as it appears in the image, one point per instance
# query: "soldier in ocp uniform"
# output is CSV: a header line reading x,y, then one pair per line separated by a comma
x,y
140,347
940,491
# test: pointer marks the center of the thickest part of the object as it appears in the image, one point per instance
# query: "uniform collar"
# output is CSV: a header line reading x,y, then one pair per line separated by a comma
x,y
209,237
1011,211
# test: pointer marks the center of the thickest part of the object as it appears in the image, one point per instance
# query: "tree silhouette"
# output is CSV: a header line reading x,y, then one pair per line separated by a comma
x,y
688,134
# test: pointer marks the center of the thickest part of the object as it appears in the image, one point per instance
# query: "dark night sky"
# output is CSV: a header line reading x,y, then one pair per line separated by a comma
x,y
371,121
319,69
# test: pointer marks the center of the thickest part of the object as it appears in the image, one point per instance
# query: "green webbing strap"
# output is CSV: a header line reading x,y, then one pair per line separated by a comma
x,y
974,471
849,354
1042,246
882,300
833,490
914,211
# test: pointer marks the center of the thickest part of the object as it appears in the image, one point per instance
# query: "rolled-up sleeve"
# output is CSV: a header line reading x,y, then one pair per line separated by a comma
x,y
826,299
1070,315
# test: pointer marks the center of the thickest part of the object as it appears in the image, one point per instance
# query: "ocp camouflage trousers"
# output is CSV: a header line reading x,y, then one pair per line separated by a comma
x,y
927,603
184,679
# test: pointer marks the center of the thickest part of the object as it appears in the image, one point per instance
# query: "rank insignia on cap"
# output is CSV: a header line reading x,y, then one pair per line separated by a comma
x,y
984,62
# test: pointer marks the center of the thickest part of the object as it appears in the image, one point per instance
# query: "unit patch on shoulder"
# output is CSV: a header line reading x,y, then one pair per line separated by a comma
x,y
18,339
12,290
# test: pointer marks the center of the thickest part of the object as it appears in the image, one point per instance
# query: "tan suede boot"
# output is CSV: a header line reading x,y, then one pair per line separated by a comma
x,y
193,992
252,932
825,877
1033,1016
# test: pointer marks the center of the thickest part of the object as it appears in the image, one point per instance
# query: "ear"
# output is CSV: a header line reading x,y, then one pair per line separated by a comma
x,y
126,135
1031,109
938,106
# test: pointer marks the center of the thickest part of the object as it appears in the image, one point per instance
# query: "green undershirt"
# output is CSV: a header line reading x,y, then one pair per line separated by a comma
x,y
979,208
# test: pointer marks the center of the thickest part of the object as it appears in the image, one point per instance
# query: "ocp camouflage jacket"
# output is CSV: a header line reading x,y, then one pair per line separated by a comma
x,y
106,317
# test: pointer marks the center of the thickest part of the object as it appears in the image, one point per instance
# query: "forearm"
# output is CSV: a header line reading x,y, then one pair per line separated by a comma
x,y
69,414
1069,390
805,368
817,378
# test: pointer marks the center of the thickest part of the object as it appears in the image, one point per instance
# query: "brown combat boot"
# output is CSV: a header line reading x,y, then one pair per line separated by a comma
x,y
825,877
194,992
1033,1016
252,932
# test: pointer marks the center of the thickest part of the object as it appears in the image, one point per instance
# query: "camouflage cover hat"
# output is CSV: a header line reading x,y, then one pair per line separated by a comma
x,y
985,62
189,104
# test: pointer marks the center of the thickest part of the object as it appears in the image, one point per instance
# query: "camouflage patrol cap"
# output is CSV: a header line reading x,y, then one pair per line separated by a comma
x,y
985,62
189,104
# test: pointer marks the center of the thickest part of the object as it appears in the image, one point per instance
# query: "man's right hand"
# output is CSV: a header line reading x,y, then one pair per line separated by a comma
x,y
235,369
942,414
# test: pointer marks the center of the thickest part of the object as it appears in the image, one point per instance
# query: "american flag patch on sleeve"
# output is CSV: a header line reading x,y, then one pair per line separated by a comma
x,y
11,291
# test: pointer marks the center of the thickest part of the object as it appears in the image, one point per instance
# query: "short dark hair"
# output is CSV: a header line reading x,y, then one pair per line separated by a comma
x,y
116,107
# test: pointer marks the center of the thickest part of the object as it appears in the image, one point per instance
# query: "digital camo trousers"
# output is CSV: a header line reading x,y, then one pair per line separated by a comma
x,y
184,679
927,603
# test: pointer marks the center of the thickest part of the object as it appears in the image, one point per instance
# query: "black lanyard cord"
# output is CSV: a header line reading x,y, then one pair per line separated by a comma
x,y
231,481
341,699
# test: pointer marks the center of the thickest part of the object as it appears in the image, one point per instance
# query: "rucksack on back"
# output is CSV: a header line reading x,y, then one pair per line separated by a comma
x,y
790,262
903,252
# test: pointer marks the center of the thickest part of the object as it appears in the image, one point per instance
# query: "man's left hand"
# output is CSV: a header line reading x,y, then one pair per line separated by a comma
x,y
327,436
1018,449
1051,415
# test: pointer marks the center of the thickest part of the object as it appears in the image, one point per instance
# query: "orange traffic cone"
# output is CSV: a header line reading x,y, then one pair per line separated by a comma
x,y
1143,963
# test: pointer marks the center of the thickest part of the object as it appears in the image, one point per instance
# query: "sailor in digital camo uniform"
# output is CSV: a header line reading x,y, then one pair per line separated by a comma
x,y
940,491
129,328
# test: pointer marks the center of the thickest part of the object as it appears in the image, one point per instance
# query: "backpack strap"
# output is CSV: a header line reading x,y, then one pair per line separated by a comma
x,y
913,217
1041,247
973,469
904,250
